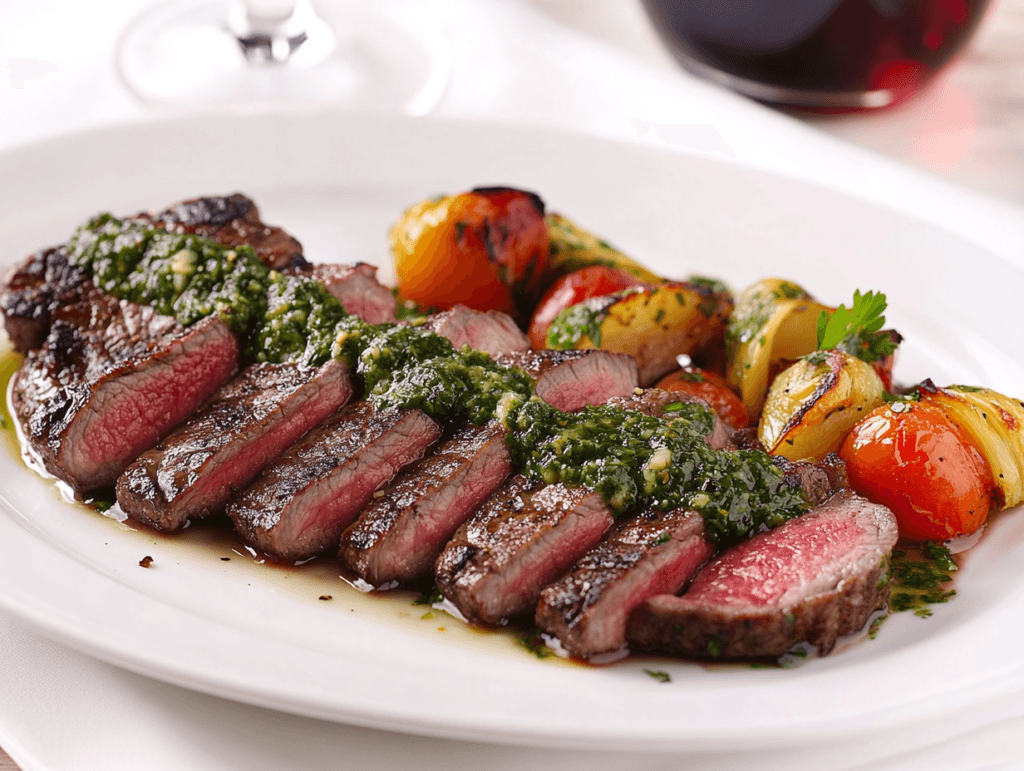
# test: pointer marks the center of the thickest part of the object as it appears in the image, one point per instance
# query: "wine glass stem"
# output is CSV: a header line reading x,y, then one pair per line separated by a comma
x,y
270,31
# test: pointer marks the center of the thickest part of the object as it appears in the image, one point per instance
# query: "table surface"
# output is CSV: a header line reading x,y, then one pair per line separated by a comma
x,y
968,127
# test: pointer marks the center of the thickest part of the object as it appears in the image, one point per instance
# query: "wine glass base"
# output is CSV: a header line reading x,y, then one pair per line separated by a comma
x,y
352,56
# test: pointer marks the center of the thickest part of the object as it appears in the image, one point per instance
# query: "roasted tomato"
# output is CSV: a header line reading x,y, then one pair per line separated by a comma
x,y
594,281
487,249
711,388
912,458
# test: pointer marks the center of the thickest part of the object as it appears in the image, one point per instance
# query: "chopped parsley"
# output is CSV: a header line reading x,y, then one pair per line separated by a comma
x,y
660,676
857,330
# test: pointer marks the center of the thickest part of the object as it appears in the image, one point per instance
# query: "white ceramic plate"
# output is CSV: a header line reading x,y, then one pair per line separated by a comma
x,y
261,635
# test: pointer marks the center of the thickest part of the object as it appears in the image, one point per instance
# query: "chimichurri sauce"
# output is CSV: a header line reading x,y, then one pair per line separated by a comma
x,y
635,460
632,460
922,575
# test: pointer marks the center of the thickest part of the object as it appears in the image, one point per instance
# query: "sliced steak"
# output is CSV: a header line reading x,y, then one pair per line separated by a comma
x,y
519,540
812,579
820,481
398,536
231,220
356,288
112,378
299,506
654,401
250,421
31,291
654,553
493,331
570,380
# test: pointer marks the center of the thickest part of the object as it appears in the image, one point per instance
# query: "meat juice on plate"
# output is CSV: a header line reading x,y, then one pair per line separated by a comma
x,y
838,54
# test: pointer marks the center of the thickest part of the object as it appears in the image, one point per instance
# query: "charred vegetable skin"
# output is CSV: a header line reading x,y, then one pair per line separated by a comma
x,y
487,249
653,324
812,405
580,285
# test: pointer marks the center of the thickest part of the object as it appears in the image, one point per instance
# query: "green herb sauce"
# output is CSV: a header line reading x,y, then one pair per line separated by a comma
x,y
631,459
921,576
634,460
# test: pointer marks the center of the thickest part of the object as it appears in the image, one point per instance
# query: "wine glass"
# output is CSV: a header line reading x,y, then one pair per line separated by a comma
x,y
344,53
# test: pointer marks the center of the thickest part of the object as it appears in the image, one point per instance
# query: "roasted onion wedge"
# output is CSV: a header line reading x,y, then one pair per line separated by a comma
x,y
653,324
995,423
814,404
573,248
775,320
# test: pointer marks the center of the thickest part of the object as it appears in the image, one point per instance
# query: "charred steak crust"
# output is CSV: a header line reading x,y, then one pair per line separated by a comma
x,y
299,506
249,422
33,290
654,553
570,380
399,535
110,380
812,579
820,480
231,220
519,540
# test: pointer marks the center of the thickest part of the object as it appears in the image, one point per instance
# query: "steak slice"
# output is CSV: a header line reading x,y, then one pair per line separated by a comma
x,y
493,331
356,288
812,579
653,402
519,540
250,421
399,535
820,481
231,220
110,380
654,553
570,380
299,506
31,291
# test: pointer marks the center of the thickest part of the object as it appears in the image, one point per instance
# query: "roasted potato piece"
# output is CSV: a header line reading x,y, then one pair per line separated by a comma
x,y
486,249
995,424
814,404
573,248
774,321
654,324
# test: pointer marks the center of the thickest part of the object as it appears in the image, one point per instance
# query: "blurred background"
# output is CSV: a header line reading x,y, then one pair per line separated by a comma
x,y
967,125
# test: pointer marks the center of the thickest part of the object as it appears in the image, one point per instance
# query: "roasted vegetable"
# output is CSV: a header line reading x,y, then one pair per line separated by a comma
x,y
487,249
995,425
813,405
911,457
594,281
712,389
775,321
573,248
653,324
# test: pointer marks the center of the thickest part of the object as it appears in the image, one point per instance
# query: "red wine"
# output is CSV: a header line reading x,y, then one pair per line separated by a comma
x,y
817,52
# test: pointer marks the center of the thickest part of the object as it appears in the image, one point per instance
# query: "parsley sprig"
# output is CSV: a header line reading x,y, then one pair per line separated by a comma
x,y
856,330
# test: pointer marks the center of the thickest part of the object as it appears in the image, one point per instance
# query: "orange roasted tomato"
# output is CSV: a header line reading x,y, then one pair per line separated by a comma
x,y
592,281
487,249
711,388
911,457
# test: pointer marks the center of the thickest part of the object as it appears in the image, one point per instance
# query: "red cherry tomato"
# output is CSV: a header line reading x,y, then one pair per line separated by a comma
x,y
911,457
711,388
593,281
